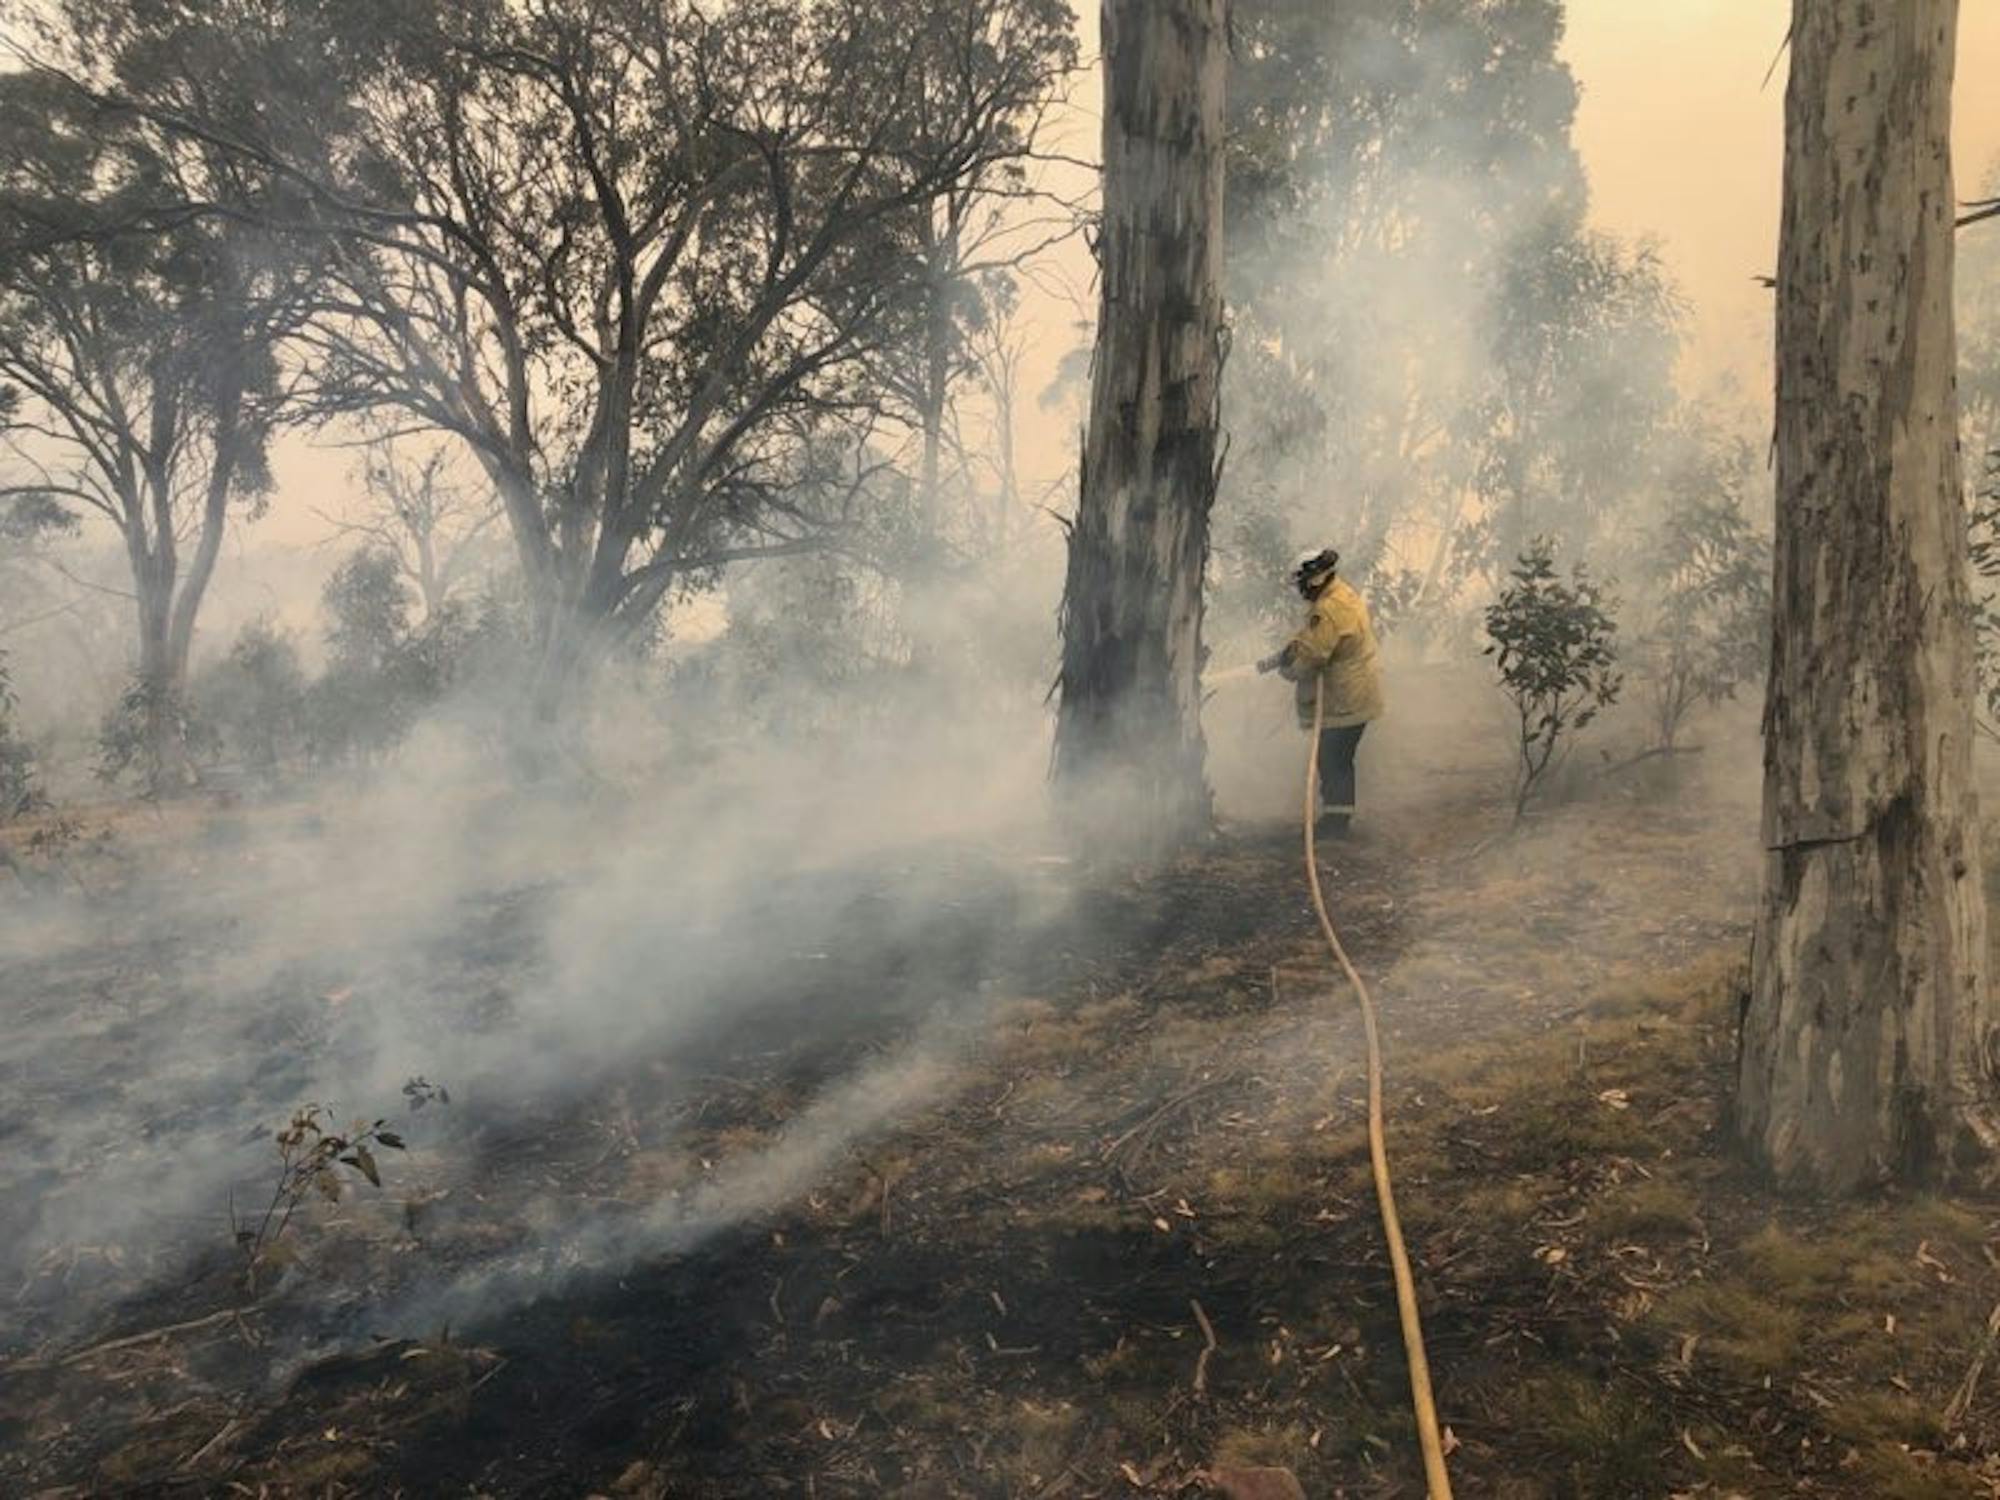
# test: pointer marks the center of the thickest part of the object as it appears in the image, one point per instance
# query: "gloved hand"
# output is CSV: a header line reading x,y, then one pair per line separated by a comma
x,y
1271,663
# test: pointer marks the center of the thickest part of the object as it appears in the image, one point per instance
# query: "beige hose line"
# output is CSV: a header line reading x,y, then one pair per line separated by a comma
x,y
1436,1479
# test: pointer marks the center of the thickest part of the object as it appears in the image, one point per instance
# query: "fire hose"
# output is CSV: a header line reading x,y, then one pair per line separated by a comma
x,y
1429,1438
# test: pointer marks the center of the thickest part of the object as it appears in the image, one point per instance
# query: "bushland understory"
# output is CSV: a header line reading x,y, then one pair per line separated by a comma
x,y
1134,1244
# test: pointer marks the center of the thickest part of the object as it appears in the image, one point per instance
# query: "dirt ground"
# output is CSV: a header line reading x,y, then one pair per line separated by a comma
x,y
1120,1241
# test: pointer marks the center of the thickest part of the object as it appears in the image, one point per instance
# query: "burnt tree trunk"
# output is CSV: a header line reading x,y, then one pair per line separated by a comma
x,y
1128,734
165,768
1866,1042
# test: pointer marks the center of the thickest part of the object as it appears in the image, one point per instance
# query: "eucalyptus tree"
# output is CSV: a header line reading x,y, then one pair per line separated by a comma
x,y
139,341
632,254
1128,733
1868,1041
1435,359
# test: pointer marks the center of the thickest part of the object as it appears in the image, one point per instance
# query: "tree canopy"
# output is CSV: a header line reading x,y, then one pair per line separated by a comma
x,y
633,255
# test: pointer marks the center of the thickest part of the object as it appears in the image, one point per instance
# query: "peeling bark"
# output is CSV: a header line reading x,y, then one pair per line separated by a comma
x,y
1129,732
1866,1048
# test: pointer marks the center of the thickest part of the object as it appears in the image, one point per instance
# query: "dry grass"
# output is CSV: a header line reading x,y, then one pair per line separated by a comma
x,y
1616,1308
1596,1439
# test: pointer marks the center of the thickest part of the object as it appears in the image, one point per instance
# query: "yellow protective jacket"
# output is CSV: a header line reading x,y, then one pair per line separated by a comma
x,y
1338,645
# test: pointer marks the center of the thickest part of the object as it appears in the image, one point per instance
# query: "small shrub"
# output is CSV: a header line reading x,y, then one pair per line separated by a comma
x,y
254,700
1708,631
1983,526
385,671
309,1151
1739,1331
127,745
1646,1211
1602,1437
1395,599
368,608
20,785
1555,644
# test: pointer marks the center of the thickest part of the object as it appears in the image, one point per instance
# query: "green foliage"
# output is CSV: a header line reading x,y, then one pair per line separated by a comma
x,y
138,343
257,708
1555,646
368,609
253,701
718,218
310,1150
1977,284
1579,338
1983,522
812,642
1602,1436
386,670
1435,359
1249,590
150,735
365,702
29,516
1707,572
1978,325
20,788
1395,599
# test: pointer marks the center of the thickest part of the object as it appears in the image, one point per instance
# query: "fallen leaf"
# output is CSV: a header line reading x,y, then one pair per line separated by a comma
x,y
1932,1263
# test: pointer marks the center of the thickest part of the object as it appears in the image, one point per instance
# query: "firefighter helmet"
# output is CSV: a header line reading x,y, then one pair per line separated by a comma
x,y
1314,570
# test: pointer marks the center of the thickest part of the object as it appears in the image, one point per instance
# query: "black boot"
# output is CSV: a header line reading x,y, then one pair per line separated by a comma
x,y
1333,825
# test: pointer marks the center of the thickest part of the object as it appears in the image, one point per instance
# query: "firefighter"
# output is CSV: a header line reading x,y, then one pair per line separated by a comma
x,y
1337,648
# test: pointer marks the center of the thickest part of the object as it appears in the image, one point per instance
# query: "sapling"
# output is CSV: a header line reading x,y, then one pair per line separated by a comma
x,y
309,1153
1983,526
1555,644
1708,631
20,790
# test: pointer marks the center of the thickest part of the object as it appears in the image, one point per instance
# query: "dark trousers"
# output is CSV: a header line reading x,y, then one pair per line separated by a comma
x,y
1336,770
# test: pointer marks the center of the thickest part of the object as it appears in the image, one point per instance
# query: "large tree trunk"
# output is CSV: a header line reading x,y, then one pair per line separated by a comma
x,y
161,754
1866,1044
165,766
1128,737
169,601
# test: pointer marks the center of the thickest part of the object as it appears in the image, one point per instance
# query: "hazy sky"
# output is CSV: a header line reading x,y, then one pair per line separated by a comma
x,y
1684,142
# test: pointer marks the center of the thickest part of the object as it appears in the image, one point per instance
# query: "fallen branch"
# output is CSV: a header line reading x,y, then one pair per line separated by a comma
x,y
1652,754
132,1341
1201,1363
228,1428
1961,1399
499,1364
1185,1097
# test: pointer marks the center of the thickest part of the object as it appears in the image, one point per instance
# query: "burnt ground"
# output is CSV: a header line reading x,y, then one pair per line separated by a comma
x,y
1148,1122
